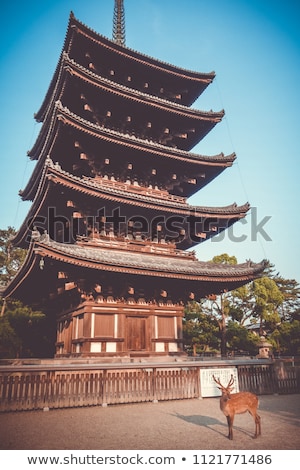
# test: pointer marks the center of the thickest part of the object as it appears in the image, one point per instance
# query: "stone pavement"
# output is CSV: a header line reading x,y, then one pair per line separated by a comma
x,y
179,424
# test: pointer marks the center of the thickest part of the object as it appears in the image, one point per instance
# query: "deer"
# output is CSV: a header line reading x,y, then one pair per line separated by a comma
x,y
237,403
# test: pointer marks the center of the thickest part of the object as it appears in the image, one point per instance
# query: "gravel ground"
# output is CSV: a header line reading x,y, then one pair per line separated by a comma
x,y
181,424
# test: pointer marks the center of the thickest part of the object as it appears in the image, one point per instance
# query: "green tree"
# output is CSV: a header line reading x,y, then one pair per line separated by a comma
x,y
219,305
200,331
10,343
224,258
258,301
11,258
286,338
289,309
270,301
241,304
241,339
25,332
267,300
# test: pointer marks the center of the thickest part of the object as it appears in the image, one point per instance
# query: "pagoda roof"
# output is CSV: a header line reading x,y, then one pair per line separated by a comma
x,y
120,192
65,115
136,199
186,126
70,68
62,118
207,277
192,82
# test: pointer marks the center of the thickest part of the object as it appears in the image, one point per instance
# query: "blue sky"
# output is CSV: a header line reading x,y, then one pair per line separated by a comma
x,y
254,48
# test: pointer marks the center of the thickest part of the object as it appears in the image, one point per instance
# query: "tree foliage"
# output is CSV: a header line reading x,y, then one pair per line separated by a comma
x,y
224,258
270,302
219,305
267,299
286,338
200,330
256,302
11,258
25,332
10,343
241,339
290,307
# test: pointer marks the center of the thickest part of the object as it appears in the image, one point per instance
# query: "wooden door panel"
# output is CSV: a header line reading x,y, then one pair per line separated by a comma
x,y
136,333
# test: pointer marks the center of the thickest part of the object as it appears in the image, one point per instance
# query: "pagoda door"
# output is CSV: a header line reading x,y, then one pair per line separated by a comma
x,y
136,333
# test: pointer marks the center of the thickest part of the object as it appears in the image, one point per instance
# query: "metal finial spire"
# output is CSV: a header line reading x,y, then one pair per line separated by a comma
x,y
119,23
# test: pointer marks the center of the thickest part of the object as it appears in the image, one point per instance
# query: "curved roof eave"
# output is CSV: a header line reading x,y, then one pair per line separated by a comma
x,y
39,199
54,175
192,117
46,139
136,55
71,67
97,130
22,274
204,277
132,263
92,188
76,254
74,23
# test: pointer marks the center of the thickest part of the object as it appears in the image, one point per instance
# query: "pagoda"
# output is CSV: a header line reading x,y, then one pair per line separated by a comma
x,y
110,232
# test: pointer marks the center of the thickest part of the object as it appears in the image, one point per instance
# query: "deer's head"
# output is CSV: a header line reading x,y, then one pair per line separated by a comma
x,y
225,390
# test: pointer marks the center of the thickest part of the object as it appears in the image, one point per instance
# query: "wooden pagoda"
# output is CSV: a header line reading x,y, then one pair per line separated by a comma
x,y
109,227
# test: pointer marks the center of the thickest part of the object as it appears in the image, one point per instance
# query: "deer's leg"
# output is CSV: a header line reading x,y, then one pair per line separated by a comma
x,y
230,424
256,418
257,425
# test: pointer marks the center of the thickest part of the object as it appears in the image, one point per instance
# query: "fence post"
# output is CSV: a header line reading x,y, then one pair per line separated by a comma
x,y
154,379
104,390
198,383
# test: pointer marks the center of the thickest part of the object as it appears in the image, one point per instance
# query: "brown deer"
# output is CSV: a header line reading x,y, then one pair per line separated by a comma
x,y
236,403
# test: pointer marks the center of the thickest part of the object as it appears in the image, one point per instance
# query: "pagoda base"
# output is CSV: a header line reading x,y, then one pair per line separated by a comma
x,y
118,329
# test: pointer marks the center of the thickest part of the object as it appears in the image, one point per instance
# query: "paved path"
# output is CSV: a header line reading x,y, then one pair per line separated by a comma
x,y
183,424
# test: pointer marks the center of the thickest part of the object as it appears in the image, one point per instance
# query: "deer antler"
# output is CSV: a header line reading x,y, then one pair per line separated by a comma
x,y
230,381
217,381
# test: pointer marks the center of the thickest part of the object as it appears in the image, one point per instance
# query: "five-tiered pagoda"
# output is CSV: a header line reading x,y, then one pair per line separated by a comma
x,y
110,225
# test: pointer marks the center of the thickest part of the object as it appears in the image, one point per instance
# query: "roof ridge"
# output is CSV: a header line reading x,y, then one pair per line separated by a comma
x,y
147,198
123,47
137,92
186,265
151,143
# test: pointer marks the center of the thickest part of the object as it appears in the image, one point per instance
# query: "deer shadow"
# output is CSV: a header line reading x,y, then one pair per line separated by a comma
x,y
209,423
202,420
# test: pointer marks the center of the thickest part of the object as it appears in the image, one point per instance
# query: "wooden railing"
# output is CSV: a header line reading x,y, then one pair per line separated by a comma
x,y
135,188
121,243
29,390
32,388
267,379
